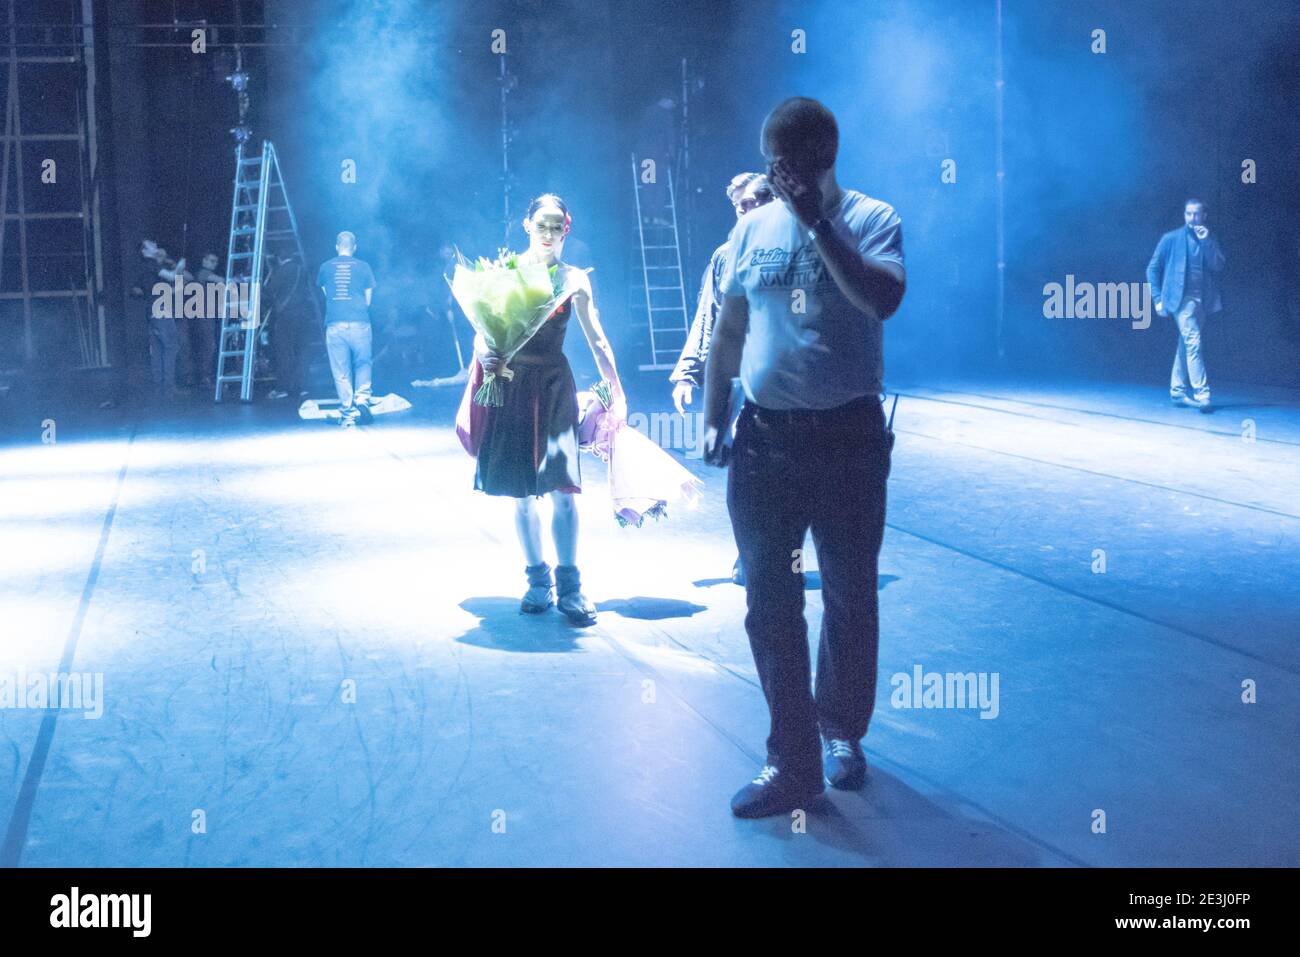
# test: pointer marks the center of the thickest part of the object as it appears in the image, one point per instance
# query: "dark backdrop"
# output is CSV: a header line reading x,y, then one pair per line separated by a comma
x,y
1100,149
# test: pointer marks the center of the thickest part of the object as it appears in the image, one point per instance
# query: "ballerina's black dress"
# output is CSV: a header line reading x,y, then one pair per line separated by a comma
x,y
530,444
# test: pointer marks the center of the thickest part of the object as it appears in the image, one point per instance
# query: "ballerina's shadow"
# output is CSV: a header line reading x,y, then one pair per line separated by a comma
x,y
503,627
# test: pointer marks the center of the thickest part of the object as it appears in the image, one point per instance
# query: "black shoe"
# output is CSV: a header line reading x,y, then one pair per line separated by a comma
x,y
1180,399
541,593
738,572
774,793
845,764
1203,405
573,604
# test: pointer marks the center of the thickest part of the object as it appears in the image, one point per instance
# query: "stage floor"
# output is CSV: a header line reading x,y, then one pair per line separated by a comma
x,y
312,653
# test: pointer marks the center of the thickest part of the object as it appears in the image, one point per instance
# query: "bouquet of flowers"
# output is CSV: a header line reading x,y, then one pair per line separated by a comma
x,y
643,478
507,300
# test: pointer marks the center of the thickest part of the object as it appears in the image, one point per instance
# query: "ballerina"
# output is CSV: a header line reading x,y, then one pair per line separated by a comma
x,y
528,447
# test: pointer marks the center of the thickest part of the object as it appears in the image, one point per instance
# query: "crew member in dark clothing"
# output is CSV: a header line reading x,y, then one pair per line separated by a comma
x,y
205,330
286,294
164,329
747,191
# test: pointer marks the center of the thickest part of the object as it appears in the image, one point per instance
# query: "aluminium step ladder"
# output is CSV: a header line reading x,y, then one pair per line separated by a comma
x,y
661,271
261,219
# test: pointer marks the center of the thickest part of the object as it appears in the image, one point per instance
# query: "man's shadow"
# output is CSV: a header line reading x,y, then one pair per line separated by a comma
x,y
812,581
891,824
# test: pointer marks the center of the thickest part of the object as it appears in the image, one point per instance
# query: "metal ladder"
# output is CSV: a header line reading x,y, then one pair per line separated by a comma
x,y
665,293
260,214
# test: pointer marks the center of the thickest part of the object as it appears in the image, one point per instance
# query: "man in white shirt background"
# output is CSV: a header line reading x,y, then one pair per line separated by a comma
x,y
807,287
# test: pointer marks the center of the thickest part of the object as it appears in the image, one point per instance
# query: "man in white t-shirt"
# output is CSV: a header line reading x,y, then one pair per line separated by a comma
x,y
808,285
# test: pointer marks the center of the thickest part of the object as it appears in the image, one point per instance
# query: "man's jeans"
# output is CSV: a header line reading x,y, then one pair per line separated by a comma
x,y
164,347
824,470
348,345
1189,367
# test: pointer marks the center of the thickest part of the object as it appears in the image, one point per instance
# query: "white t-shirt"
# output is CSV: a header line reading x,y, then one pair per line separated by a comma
x,y
830,353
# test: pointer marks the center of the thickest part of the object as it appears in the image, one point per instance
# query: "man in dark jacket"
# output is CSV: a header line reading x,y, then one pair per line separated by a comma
x,y
747,191
1184,277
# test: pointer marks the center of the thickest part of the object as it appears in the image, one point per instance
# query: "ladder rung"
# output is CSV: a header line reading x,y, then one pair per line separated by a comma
x,y
663,288
259,189
667,309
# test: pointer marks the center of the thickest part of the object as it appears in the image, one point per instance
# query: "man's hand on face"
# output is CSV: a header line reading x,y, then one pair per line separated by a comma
x,y
803,196
1201,232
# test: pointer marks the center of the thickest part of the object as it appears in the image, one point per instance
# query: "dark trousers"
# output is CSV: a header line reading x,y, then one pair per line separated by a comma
x,y
164,348
286,352
203,349
825,471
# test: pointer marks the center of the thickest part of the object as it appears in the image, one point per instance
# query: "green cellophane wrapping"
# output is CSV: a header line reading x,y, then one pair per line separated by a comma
x,y
507,301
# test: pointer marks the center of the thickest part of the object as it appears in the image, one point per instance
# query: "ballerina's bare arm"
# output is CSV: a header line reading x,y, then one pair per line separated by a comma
x,y
584,306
